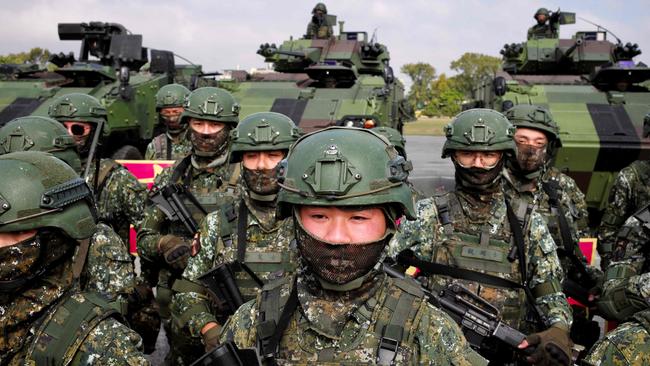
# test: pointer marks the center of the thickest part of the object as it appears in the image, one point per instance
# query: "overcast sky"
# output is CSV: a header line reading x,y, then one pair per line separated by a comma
x,y
224,34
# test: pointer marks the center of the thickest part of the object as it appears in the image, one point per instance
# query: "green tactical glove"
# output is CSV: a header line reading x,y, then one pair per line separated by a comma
x,y
211,338
552,347
175,250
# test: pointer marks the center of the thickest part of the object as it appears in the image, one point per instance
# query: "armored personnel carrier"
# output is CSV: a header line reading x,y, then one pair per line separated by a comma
x,y
595,91
112,66
345,80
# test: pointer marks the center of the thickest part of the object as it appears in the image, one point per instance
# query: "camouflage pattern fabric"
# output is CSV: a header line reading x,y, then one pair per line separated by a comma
x,y
268,254
157,148
627,345
430,336
543,31
318,31
426,236
572,201
121,198
109,266
630,192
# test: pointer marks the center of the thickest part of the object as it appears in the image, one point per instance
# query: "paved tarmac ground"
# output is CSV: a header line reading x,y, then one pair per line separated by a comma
x,y
430,173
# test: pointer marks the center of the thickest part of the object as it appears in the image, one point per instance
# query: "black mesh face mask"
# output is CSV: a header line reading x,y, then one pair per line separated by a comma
x,y
478,178
261,181
338,263
210,145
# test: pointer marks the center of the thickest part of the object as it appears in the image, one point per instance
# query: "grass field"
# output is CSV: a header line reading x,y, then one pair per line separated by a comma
x,y
426,126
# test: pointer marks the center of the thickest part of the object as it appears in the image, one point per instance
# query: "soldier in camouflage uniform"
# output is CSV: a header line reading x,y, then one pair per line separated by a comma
x,y
173,144
46,211
557,198
319,27
473,228
344,188
547,25
626,297
260,141
630,192
120,197
206,174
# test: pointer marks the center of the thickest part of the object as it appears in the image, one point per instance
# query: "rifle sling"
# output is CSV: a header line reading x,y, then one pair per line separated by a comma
x,y
241,243
283,323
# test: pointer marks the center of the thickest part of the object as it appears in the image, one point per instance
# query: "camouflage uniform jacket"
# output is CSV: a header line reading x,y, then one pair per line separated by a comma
x,y
120,197
109,267
627,345
571,199
545,30
268,253
318,31
163,147
480,239
347,328
630,192
211,187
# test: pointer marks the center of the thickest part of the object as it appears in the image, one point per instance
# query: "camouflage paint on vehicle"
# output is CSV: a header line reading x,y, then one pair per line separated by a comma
x,y
125,78
576,79
362,86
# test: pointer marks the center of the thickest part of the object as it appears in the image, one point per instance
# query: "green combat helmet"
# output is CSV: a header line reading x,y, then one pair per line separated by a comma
x,y
479,130
262,131
541,11
321,7
44,134
77,107
537,118
39,190
394,137
171,95
345,167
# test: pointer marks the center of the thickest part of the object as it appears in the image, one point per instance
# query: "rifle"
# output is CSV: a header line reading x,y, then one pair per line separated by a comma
x,y
222,288
228,354
168,199
477,318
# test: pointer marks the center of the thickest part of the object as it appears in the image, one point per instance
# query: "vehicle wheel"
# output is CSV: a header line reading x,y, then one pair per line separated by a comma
x,y
127,152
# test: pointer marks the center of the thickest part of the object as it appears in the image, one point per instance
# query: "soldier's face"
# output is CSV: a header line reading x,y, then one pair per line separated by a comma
x,y
477,159
15,237
80,131
206,127
344,225
528,136
171,116
541,18
262,160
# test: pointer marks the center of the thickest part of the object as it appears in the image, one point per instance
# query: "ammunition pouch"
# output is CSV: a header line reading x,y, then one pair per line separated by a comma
x,y
619,304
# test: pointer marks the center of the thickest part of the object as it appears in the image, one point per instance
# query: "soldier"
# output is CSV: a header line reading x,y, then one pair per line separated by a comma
x,y
556,198
626,297
109,266
547,25
120,197
340,307
630,192
210,114
46,212
475,228
173,144
260,141
319,27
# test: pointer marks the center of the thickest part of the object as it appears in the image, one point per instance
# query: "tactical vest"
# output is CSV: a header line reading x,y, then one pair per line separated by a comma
x,y
484,252
376,341
63,331
248,241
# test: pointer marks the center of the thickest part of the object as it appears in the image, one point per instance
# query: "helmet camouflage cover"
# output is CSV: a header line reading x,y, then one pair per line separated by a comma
x,y
39,190
344,166
479,130
77,107
212,104
44,134
535,117
171,95
263,131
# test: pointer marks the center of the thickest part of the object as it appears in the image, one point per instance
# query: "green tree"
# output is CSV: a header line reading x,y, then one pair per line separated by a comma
x,y
471,68
421,74
36,55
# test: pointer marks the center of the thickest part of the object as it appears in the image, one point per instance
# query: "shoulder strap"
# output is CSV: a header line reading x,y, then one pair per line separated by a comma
x,y
552,189
401,311
103,174
242,226
62,334
444,212
273,323
169,147
181,168
234,177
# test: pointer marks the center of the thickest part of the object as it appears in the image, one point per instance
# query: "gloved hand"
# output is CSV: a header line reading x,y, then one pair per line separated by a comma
x,y
211,336
175,250
551,347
